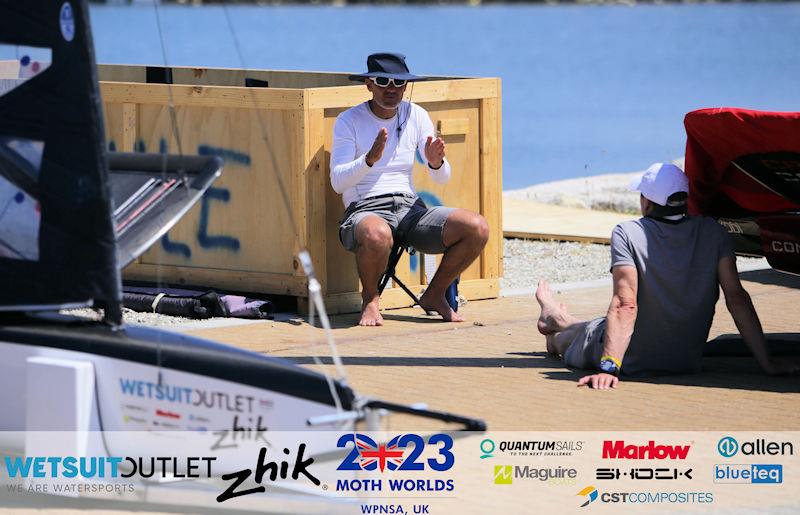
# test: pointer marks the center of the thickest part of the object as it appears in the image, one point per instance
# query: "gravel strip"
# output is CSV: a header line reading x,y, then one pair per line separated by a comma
x,y
527,261
524,263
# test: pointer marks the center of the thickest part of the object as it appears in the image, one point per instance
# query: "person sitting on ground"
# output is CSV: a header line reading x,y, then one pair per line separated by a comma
x,y
374,144
667,268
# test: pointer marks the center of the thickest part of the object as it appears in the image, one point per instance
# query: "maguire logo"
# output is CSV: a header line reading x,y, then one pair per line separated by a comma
x,y
590,494
619,450
751,473
369,455
552,475
503,475
728,446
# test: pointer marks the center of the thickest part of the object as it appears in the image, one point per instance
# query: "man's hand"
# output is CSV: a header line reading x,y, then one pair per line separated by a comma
x,y
781,366
376,151
599,381
434,151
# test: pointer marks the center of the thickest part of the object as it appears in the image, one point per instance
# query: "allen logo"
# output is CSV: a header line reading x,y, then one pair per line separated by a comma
x,y
503,474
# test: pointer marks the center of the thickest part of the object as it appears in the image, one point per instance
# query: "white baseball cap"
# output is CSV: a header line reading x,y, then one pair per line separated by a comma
x,y
660,181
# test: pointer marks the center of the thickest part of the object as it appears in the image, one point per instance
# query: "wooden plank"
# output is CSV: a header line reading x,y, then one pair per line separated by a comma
x,y
429,91
556,237
491,185
130,113
230,280
121,73
243,223
316,175
453,126
201,96
523,219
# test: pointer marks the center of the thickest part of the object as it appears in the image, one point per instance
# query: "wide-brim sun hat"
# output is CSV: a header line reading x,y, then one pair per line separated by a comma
x,y
389,65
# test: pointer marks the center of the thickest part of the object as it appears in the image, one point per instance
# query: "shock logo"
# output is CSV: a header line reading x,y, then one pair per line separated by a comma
x,y
403,452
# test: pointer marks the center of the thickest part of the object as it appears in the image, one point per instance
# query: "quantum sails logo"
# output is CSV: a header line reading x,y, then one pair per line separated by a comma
x,y
536,448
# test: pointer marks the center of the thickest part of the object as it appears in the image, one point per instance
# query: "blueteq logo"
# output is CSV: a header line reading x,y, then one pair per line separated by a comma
x,y
750,473
370,455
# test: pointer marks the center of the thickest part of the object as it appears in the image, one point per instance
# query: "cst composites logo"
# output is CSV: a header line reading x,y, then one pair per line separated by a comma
x,y
590,495
402,453
505,474
728,447
530,447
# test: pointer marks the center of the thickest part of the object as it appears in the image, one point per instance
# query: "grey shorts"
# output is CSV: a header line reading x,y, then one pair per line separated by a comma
x,y
587,346
422,226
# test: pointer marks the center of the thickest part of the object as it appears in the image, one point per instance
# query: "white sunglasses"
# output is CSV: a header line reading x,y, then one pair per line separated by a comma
x,y
383,82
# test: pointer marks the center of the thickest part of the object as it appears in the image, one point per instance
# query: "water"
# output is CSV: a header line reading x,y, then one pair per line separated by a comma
x,y
586,89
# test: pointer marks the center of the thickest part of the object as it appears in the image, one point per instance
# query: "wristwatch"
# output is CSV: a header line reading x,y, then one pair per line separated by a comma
x,y
610,365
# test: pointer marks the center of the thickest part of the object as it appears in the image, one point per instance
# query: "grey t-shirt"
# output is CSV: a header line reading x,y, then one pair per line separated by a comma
x,y
677,293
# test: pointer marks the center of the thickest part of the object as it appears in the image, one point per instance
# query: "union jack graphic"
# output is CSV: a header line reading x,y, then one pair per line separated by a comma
x,y
381,456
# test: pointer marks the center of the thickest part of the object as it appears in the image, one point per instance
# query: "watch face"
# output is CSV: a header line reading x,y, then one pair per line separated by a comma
x,y
608,366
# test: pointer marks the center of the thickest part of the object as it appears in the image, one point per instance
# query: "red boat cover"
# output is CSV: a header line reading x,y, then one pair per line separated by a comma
x,y
714,138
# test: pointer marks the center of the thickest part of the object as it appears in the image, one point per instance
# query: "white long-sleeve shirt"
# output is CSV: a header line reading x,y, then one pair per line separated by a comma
x,y
354,133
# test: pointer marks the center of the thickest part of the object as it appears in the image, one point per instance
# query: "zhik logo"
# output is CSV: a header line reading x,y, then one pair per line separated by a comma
x,y
503,474
590,493
369,455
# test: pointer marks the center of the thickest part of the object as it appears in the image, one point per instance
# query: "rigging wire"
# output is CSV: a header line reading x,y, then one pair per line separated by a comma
x,y
303,256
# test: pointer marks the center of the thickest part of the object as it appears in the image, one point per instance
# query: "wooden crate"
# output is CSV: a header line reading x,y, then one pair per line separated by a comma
x,y
274,197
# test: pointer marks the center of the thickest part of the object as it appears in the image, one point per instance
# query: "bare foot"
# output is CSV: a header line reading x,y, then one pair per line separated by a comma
x,y
371,313
551,346
554,316
439,305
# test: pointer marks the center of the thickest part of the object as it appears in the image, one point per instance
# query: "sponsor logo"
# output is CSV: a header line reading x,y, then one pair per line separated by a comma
x,y
750,473
503,475
643,473
788,247
487,448
133,407
531,447
404,452
66,21
268,470
235,403
552,475
728,447
589,494
167,414
369,455
618,449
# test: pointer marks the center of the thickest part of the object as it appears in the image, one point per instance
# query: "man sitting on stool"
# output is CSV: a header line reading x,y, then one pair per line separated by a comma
x,y
372,158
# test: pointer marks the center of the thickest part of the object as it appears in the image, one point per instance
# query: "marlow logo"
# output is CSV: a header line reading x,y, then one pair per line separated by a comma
x,y
503,474
590,493
619,450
